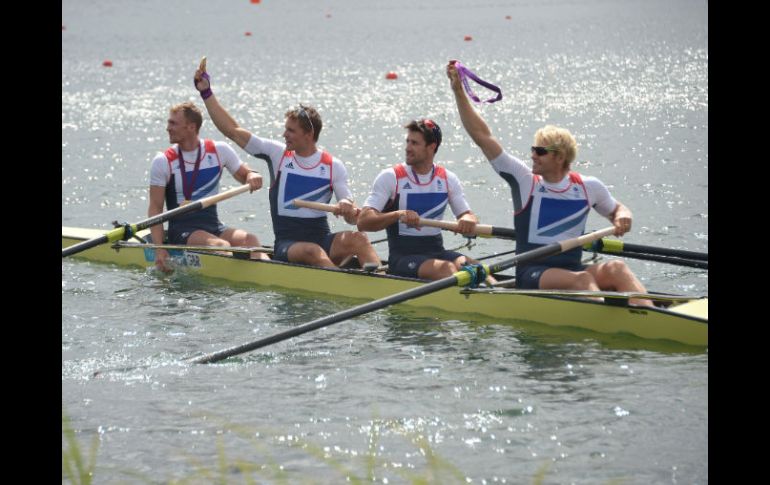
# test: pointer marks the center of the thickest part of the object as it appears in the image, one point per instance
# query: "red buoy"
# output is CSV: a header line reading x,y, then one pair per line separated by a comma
x,y
507,17
63,27
391,75
255,1
468,37
247,34
107,63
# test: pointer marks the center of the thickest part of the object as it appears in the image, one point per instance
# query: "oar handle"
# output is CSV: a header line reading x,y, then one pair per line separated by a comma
x,y
481,229
209,201
309,204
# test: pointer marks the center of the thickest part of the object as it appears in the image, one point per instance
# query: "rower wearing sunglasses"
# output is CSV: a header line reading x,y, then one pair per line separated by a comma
x,y
551,203
406,192
299,170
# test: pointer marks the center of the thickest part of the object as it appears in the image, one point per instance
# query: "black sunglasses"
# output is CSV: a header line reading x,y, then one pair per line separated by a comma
x,y
543,150
302,113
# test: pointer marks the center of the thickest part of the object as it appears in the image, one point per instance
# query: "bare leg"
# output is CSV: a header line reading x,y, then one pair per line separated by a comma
x,y
435,269
203,238
309,253
615,275
357,243
562,279
241,238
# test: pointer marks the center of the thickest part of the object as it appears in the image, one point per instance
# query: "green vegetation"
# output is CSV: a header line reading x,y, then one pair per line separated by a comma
x,y
368,468
72,466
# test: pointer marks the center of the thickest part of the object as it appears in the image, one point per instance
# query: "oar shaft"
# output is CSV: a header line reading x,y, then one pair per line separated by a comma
x,y
460,278
437,285
119,232
481,229
551,249
615,246
185,247
692,263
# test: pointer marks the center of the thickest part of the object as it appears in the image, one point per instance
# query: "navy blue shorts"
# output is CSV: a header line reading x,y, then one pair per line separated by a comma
x,y
178,234
528,278
281,249
409,264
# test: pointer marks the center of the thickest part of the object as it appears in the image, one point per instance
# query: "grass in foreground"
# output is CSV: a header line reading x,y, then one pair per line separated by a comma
x,y
371,468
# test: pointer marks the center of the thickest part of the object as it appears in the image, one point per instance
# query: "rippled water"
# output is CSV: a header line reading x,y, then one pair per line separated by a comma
x,y
495,402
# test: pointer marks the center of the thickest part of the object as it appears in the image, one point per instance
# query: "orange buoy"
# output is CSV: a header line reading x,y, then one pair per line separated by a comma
x,y
107,63
255,1
468,37
391,75
247,34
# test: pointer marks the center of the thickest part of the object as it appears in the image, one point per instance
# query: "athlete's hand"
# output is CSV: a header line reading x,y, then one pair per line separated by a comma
x,y
254,180
201,80
163,260
454,77
410,218
466,227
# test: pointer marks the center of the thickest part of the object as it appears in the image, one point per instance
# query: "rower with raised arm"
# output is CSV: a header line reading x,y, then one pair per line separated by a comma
x,y
302,235
418,188
191,170
551,203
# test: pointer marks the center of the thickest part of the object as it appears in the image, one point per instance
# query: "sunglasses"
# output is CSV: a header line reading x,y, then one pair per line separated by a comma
x,y
544,150
302,113
433,127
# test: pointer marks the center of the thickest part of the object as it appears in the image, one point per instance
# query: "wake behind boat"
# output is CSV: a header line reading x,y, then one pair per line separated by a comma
x,y
679,319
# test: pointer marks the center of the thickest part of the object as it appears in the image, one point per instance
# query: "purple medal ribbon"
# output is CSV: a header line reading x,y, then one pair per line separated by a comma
x,y
188,189
466,73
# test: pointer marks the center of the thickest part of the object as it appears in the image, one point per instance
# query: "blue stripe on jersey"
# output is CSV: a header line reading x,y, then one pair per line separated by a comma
x,y
306,188
436,214
428,204
555,210
206,183
575,221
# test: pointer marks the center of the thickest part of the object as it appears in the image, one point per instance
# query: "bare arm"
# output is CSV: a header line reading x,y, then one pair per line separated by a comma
x,y
245,175
221,118
371,219
157,200
621,218
473,123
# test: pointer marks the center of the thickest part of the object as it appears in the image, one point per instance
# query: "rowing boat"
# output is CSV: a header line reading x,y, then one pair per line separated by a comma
x,y
679,319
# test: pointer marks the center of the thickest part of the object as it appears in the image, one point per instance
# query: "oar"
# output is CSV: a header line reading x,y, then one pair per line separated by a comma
x,y
461,278
615,246
499,288
119,232
481,229
185,247
692,263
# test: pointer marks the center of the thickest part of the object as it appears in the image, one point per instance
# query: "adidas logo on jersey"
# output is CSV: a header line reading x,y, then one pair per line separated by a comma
x,y
289,165
407,186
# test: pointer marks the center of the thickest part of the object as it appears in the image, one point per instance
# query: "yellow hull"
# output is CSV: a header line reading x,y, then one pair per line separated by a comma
x,y
685,323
